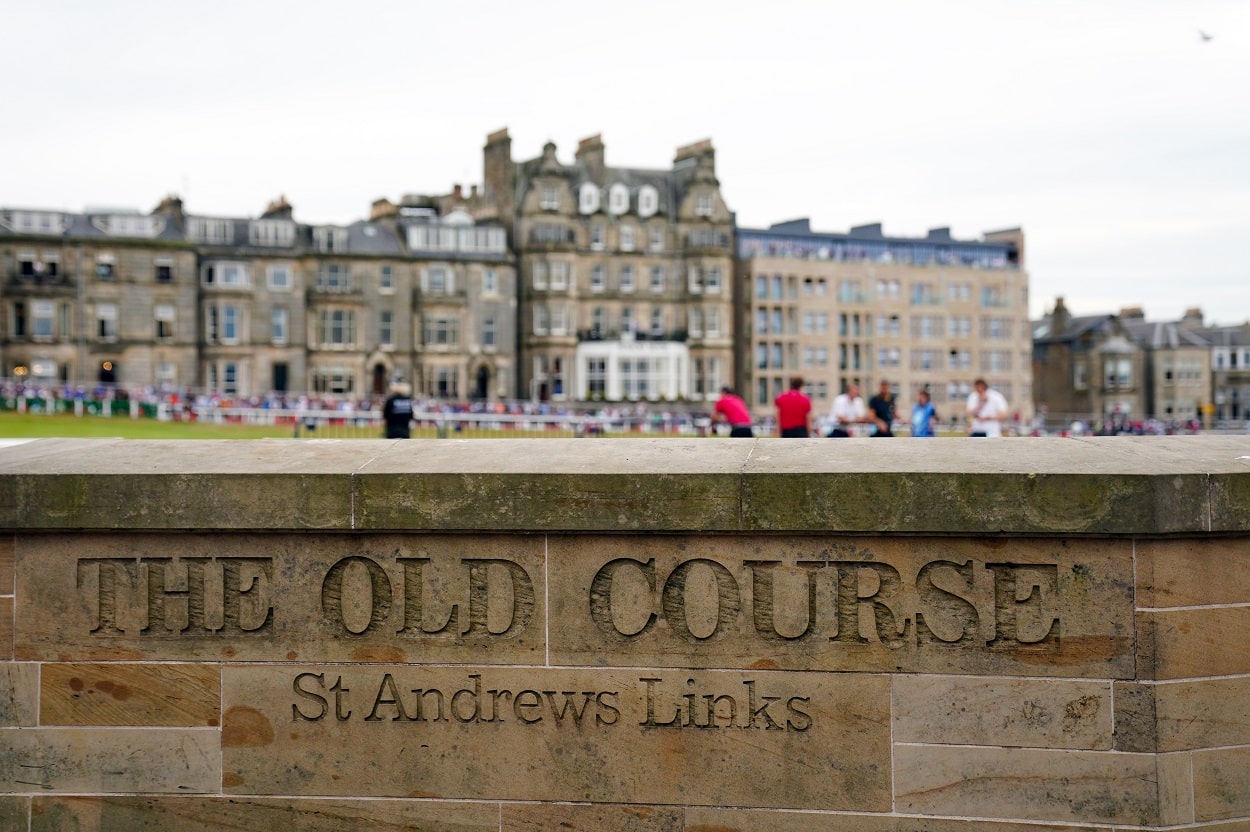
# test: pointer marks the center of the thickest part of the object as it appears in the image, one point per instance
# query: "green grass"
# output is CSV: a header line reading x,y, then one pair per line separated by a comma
x,y
39,426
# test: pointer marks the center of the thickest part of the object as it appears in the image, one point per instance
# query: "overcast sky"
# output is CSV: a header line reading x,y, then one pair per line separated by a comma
x,y
1109,130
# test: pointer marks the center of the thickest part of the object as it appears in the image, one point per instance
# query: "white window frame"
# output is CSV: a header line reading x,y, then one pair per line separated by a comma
x,y
273,273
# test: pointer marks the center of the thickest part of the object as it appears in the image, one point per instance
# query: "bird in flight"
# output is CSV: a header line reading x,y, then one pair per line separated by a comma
x,y
1205,37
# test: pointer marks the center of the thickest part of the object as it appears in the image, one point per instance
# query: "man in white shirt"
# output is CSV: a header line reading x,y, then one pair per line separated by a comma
x,y
848,409
986,410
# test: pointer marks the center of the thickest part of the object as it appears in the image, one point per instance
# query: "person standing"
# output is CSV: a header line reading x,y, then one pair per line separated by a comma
x,y
397,411
986,410
732,409
882,410
923,416
794,411
848,409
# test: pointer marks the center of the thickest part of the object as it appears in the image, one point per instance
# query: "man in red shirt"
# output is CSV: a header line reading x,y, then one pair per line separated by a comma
x,y
732,409
794,411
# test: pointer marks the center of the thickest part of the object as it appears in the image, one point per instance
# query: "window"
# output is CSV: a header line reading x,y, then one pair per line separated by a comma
x,y
596,378
588,198
438,281
627,238
334,277
490,282
386,328
226,274
713,283
559,320
488,333
627,319
657,279
694,279
229,324
271,232
330,239
559,276
338,327
541,320
550,199
712,317
331,379
761,287
445,384
596,236
106,321
214,231
627,278
618,199
278,277
657,321
657,238
648,200
538,274
104,267
278,325
164,321
386,279
598,319
596,278
703,205
164,270
230,378
694,323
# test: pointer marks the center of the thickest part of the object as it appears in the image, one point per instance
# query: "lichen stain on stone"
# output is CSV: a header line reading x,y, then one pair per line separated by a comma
x,y
245,728
230,779
1080,710
763,664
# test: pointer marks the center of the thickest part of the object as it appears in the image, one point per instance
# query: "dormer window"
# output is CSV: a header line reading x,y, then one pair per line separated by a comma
x,y
271,232
588,198
550,200
648,201
330,239
618,199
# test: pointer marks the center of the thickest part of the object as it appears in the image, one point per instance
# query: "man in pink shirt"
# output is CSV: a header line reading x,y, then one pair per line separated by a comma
x,y
732,409
794,411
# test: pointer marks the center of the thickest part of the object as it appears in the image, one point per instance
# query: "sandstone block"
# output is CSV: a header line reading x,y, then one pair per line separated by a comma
x,y
1188,573
1063,786
567,817
920,605
1186,643
6,565
1221,783
125,760
1031,713
7,644
281,598
211,814
168,695
704,819
605,736
19,694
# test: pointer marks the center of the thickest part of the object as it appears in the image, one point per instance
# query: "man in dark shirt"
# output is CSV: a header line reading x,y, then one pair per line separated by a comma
x,y
397,411
882,408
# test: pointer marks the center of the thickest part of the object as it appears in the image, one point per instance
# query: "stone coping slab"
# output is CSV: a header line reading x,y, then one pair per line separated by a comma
x,y
1097,485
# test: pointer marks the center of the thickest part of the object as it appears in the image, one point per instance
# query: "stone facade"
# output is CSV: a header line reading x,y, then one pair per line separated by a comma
x,y
732,635
624,273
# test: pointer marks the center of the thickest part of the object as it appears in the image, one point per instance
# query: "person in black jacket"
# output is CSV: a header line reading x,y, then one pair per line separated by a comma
x,y
397,411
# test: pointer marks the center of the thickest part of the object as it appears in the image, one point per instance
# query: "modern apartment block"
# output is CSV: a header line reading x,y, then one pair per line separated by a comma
x,y
932,313
624,272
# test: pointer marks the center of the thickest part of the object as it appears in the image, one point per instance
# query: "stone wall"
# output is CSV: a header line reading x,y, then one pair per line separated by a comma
x,y
698,635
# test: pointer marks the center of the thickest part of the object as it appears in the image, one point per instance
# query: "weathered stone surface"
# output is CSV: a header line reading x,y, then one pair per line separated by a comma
x,y
803,740
566,817
1221,783
13,812
6,628
1192,714
165,695
1186,643
573,484
6,565
1031,713
159,484
702,819
1064,786
125,760
281,597
209,814
1015,607
1189,573
19,694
